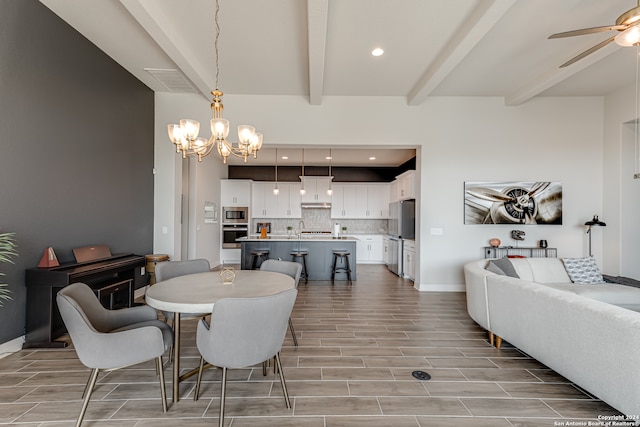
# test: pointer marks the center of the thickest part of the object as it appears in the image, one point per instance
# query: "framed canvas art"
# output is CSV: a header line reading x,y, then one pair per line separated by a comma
x,y
513,203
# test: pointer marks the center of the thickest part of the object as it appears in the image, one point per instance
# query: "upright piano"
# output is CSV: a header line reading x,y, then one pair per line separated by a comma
x,y
113,279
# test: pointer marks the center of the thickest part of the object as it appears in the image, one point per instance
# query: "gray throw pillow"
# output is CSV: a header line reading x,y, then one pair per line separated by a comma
x,y
584,271
505,265
492,267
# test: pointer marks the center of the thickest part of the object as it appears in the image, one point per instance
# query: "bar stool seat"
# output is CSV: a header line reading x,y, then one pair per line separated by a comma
x,y
258,256
303,255
343,267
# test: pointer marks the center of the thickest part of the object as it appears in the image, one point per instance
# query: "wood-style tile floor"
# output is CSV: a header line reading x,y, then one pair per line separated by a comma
x,y
358,348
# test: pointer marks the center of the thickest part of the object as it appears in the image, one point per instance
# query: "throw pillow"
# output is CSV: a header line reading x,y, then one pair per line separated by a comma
x,y
492,267
584,271
505,265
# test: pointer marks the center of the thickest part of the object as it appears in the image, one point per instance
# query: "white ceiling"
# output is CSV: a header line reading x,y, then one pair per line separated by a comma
x,y
321,48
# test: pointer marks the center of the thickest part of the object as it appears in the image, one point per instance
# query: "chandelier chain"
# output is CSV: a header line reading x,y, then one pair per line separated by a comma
x,y
216,41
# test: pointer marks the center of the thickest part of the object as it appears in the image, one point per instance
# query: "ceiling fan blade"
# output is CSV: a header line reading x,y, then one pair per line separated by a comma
x,y
588,52
584,31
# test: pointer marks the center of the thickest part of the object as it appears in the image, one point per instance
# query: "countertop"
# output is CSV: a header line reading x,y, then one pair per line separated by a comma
x,y
294,238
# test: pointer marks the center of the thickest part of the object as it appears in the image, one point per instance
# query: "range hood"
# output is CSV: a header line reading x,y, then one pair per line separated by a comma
x,y
315,205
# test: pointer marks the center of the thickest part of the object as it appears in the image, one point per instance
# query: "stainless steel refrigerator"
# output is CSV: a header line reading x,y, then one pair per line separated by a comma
x,y
402,225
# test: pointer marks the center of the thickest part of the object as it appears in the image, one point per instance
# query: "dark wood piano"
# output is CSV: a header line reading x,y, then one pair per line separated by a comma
x,y
114,280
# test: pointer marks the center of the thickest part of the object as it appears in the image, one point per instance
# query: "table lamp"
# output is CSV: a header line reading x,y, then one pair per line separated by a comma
x,y
595,222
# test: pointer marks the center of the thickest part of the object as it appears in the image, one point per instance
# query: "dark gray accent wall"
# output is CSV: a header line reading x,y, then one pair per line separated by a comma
x,y
76,148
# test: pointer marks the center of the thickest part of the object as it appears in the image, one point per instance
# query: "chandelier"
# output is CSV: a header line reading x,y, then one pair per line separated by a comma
x,y
185,135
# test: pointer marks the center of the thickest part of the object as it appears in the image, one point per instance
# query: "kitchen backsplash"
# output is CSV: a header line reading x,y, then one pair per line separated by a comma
x,y
320,220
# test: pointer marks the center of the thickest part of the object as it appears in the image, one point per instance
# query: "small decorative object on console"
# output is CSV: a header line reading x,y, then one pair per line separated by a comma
x,y
495,242
517,235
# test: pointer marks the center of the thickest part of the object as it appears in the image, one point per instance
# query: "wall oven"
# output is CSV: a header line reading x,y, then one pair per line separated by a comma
x,y
231,232
235,215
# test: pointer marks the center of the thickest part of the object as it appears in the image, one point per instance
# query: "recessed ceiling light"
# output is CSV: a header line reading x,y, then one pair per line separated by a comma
x,y
372,158
285,158
328,158
377,52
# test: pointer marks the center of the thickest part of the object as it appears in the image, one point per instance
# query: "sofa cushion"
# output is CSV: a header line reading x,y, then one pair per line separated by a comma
x,y
505,265
583,270
611,293
492,267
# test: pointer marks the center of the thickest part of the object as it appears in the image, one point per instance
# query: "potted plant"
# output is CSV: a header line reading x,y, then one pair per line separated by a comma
x,y
7,250
344,232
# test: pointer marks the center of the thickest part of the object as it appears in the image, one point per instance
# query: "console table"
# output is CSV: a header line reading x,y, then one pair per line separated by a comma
x,y
530,252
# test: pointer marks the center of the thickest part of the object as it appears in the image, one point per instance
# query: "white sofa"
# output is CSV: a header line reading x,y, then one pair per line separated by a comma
x,y
590,334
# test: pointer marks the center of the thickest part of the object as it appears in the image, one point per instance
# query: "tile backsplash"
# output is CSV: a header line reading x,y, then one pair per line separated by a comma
x,y
320,220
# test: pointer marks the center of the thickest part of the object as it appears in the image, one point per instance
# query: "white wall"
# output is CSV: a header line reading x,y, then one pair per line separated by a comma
x,y
458,140
204,177
621,191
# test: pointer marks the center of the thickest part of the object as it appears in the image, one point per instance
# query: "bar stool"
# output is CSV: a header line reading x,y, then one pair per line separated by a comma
x,y
303,255
344,261
258,256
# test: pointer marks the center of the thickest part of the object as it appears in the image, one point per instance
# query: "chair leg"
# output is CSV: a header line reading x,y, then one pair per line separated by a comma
x,y
282,382
264,368
293,333
163,391
223,395
199,380
87,395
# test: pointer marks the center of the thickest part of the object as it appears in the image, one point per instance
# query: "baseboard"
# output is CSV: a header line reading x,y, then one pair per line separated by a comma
x,y
139,293
435,287
11,346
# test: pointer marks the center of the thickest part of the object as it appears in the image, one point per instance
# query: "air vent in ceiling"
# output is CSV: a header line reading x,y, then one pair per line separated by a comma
x,y
171,79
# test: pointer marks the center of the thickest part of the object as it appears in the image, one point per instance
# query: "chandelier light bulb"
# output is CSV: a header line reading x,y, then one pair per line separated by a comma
x,y
190,128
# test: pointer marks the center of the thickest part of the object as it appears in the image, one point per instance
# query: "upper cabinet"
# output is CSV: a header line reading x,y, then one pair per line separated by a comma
x,y
316,190
235,192
404,187
265,204
360,201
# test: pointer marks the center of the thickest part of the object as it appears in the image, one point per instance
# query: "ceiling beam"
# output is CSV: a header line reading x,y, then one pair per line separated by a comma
x,y
557,75
317,16
480,21
158,26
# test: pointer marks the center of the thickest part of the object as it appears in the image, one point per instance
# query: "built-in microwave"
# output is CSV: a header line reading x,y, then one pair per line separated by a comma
x,y
235,215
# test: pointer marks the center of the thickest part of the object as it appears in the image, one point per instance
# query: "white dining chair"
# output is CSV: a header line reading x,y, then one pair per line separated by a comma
x,y
292,269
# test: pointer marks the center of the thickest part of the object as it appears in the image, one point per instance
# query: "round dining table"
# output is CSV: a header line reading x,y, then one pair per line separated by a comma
x,y
197,293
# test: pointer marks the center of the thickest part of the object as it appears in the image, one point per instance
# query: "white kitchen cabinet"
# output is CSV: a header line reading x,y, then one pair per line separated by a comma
x,y
360,201
385,250
369,249
235,192
406,185
316,190
289,200
408,261
264,204
377,201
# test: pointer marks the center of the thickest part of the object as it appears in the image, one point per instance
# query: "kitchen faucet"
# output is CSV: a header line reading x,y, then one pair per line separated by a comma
x,y
301,226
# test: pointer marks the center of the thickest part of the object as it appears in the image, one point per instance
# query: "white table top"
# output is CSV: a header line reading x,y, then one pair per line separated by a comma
x,y
196,293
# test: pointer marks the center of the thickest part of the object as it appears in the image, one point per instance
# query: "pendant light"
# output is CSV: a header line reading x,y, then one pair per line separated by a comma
x,y
276,190
330,190
302,190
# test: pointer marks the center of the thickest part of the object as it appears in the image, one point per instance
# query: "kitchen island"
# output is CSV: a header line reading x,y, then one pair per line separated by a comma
x,y
319,252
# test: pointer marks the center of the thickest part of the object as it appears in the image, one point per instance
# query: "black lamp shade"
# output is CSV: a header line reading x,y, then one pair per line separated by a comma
x,y
595,222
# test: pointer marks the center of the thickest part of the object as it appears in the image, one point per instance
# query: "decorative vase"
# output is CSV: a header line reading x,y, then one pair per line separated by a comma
x,y
494,242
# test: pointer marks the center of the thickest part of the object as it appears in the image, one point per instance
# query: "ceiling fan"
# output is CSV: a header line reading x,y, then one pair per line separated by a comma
x,y
630,20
